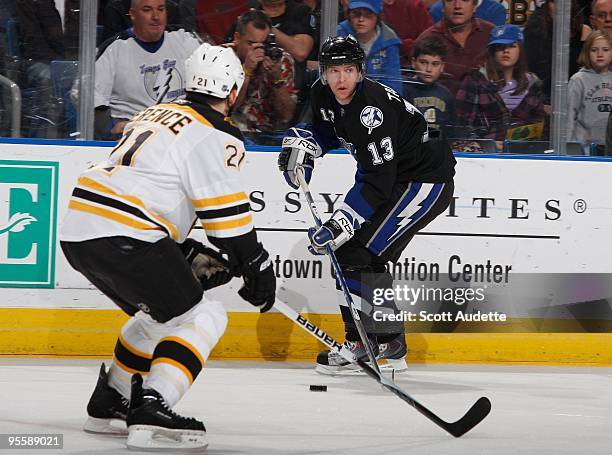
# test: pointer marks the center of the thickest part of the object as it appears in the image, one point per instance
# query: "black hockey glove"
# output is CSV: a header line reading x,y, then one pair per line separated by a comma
x,y
259,288
208,265
299,149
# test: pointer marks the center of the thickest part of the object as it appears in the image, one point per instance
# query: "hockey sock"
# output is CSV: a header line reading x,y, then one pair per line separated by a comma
x,y
180,354
133,353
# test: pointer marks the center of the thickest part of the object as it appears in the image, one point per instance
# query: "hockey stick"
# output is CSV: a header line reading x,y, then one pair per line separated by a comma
x,y
299,172
473,417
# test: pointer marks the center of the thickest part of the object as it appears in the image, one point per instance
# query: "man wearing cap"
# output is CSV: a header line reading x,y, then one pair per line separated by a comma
x,y
465,38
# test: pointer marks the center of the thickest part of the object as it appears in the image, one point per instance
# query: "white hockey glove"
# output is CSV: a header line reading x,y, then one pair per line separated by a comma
x,y
299,149
334,232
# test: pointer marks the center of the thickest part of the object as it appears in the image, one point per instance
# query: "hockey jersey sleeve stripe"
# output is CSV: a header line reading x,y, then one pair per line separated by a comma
x,y
225,212
231,224
94,185
219,200
84,196
126,220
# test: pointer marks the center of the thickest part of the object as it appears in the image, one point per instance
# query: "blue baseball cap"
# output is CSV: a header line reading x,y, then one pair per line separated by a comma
x,y
373,5
506,34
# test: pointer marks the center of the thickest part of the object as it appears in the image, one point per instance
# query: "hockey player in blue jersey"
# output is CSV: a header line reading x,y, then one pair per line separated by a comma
x,y
404,180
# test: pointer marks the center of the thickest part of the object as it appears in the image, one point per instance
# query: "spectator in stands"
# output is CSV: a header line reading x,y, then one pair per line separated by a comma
x,y
601,15
423,90
379,42
465,38
488,10
142,66
267,100
539,41
293,27
408,18
590,90
116,17
215,17
42,40
7,11
502,99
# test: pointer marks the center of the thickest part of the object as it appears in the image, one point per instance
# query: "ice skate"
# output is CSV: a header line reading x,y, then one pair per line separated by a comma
x,y
153,426
392,355
333,364
107,408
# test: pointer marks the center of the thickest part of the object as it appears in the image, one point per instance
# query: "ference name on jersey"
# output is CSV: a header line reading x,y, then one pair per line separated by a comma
x,y
165,116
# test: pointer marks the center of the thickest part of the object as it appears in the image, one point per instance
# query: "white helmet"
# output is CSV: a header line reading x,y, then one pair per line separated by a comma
x,y
213,70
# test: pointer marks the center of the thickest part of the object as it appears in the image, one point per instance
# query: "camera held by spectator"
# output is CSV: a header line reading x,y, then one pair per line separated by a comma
x,y
271,49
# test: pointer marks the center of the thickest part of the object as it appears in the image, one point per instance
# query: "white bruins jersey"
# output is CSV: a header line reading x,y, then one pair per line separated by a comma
x,y
130,76
174,164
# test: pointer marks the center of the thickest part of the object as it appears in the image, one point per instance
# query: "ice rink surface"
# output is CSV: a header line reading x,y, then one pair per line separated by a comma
x,y
267,408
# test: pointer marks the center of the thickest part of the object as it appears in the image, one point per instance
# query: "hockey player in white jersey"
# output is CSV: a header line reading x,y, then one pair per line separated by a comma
x,y
126,231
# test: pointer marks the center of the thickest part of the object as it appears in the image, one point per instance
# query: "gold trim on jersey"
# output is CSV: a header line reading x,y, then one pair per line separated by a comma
x,y
119,218
86,182
190,111
219,200
231,224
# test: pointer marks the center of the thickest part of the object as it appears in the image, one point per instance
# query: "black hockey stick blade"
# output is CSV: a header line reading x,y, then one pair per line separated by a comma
x,y
473,417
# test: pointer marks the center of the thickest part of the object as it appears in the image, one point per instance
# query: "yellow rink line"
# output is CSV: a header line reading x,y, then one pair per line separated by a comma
x,y
92,333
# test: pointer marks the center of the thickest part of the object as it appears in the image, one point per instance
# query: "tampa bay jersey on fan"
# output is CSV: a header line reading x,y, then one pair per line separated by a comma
x,y
384,133
131,75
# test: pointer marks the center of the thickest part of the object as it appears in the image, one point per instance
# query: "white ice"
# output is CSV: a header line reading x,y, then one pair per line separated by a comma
x,y
267,408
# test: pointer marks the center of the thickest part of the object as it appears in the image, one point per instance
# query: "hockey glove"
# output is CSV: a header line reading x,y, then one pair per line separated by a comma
x,y
208,266
334,232
299,149
259,288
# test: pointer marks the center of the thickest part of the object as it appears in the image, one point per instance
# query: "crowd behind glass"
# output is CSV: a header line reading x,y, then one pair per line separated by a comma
x,y
480,70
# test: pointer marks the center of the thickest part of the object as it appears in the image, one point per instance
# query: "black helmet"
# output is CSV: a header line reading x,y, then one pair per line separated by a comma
x,y
341,50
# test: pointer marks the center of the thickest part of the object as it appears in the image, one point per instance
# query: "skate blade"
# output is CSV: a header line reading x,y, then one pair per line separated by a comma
x,y
157,439
347,370
111,427
393,365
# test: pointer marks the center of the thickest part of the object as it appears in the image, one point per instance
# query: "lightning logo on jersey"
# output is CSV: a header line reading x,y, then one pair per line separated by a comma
x,y
412,206
412,211
371,117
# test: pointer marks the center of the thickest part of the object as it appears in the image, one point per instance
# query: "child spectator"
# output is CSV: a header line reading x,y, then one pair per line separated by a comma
x,y
502,99
379,42
425,92
590,90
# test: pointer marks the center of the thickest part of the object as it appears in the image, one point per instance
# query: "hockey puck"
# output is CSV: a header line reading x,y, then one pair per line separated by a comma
x,y
318,388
